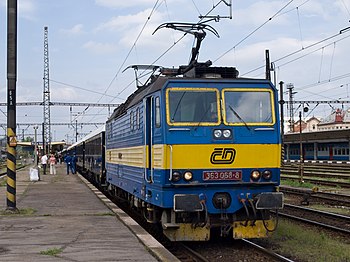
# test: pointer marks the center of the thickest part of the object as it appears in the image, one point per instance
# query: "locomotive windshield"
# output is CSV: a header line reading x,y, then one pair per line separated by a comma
x,y
188,106
200,106
248,106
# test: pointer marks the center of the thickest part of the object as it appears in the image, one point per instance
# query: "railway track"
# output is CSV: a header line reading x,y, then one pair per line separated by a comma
x,y
334,222
323,167
186,254
240,250
345,167
308,195
322,174
273,255
318,181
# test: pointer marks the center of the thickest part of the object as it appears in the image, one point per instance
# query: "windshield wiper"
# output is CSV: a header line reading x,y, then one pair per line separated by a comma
x,y
177,106
202,117
240,118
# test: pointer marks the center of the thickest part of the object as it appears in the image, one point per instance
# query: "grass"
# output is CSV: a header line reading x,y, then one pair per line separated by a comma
x,y
293,183
303,244
23,212
338,210
52,252
3,182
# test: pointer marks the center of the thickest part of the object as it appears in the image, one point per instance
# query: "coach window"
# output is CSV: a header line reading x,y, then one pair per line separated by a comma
x,y
157,103
138,118
135,120
111,130
131,120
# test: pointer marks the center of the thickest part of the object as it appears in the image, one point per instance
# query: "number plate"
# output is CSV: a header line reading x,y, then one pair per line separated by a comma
x,y
222,175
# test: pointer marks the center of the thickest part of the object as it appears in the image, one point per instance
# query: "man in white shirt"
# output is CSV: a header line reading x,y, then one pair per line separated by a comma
x,y
44,163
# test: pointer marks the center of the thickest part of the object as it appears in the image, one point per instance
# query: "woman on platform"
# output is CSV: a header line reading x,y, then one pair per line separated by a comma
x,y
52,162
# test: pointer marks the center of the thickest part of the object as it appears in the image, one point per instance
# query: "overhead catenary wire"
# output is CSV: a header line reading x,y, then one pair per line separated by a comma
x,y
346,8
331,65
292,9
254,31
300,32
320,71
309,53
80,88
128,54
301,50
132,47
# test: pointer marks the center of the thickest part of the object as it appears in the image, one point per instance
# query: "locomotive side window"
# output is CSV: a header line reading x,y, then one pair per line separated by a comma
x,y
189,106
248,106
157,104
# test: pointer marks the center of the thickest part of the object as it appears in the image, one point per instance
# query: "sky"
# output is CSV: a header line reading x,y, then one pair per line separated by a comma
x,y
91,42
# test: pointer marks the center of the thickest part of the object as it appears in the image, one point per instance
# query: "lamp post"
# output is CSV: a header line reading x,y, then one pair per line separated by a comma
x,y
35,147
301,167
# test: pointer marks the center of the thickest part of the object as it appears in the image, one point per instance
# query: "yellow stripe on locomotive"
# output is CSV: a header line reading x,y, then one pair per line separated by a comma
x,y
199,156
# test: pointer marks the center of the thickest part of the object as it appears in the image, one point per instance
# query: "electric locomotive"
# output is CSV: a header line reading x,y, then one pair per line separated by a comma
x,y
197,148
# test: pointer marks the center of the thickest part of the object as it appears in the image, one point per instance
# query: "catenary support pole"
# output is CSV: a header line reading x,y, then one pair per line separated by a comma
x,y
282,102
11,103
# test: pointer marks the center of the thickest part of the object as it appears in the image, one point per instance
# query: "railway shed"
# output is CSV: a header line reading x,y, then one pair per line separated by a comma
x,y
332,145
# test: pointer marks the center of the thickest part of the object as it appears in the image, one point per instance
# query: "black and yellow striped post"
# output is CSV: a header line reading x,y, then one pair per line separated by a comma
x,y
11,103
11,170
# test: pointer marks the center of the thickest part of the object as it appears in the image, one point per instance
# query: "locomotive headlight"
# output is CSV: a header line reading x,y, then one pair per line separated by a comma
x,y
255,175
267,174
226,133
217,133
176,176
188,175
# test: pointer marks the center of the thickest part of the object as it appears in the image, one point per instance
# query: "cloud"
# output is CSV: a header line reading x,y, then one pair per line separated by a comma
x,y
100,48
130,26
63,94
27,9
258,13
124,4
125,23
250,60
75,30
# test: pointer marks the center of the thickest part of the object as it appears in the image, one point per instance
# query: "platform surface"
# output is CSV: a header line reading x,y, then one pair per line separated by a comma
x,y
63,218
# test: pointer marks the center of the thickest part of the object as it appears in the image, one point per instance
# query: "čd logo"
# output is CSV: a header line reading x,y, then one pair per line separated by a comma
x,y
223,156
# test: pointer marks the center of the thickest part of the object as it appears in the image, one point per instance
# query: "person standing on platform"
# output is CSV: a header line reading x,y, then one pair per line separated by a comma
x,y
74,164
44,163
68,160
52,162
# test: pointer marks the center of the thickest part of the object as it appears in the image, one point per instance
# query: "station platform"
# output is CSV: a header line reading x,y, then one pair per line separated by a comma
x,y
63,218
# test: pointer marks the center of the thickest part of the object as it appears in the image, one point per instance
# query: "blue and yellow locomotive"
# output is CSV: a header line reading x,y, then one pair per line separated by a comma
x,y
197,148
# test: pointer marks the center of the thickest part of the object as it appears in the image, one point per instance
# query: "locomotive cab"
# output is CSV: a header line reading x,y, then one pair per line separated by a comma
x,y
223,155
